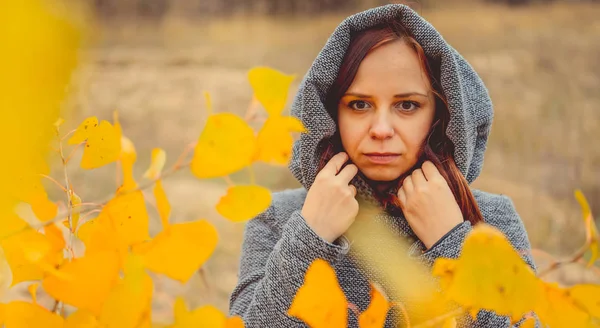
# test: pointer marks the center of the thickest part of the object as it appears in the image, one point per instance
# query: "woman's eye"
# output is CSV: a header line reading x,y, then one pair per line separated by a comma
x,y
408,106
358,105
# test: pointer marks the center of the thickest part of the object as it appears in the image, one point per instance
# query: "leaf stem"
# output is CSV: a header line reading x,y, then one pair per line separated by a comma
x,y
55,182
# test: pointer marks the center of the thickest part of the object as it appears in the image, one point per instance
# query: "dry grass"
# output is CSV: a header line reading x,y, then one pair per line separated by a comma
x,y
540,64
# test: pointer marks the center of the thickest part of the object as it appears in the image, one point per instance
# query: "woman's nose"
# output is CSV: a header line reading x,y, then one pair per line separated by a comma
x,y
381,128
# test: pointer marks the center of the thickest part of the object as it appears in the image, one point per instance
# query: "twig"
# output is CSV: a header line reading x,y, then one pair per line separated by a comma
x,y
557,264
55,182
66,161
354,309
67,135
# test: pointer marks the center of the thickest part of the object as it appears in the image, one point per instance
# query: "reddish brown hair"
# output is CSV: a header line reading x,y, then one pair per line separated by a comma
x,y
437,148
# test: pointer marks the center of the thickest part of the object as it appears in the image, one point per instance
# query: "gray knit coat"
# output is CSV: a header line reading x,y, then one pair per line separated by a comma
x,y
279,246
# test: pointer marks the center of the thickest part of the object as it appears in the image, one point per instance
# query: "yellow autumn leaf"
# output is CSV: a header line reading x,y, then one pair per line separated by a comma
x,y
587,296
270,87
55,237
162,203
558,309
128,157
169,252
102,145
157,162
320,301
128,215
244,202
82,133
82,319
2,313
130,299
592,236
490,275
87,281
528,323
205,316
23,314
274,141
226,145
100,235
375,314
30,190
75,201
29,254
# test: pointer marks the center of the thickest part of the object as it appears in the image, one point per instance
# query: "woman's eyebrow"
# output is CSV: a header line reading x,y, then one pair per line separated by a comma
x,y
400,95
408,94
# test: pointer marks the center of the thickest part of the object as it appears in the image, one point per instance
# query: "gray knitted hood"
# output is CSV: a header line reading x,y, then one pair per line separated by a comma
x,y
470,106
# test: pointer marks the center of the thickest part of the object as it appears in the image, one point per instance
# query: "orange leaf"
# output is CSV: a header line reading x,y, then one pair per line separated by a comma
x,y
169,252
490,274
128,216
29,254
82,319
99,235
130,299
558,309
205,316
22,314
127,157
226,145
244,202
159,157
374,316
587,296
590,227
162,203
88,281
274,141
320,302
270,87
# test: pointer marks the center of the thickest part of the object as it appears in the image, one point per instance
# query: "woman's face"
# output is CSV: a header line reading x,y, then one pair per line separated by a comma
x,y
387,112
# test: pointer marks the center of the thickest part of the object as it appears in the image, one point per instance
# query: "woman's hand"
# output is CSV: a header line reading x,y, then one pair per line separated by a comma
x,y
428,204
330,207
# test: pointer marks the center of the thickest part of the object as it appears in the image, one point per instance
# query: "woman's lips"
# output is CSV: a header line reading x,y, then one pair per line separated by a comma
x,y
382,158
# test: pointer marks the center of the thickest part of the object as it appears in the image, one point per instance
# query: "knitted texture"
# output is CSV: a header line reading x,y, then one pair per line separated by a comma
x,y
278,244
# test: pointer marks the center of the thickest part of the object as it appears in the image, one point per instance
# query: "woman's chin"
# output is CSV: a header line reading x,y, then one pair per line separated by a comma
x,y
382,174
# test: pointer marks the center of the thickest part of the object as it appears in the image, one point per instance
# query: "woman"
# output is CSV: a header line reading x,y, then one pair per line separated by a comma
x,y
396,116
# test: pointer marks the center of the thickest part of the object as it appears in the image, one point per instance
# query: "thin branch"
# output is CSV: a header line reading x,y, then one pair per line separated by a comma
x,y
229,181
354,309
183,155
66,161
557,264
55,182
67,135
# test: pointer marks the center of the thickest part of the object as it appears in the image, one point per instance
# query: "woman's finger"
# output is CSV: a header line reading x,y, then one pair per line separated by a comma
x,y
402,196
418,178
347,173
430,171
407,185
353,189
